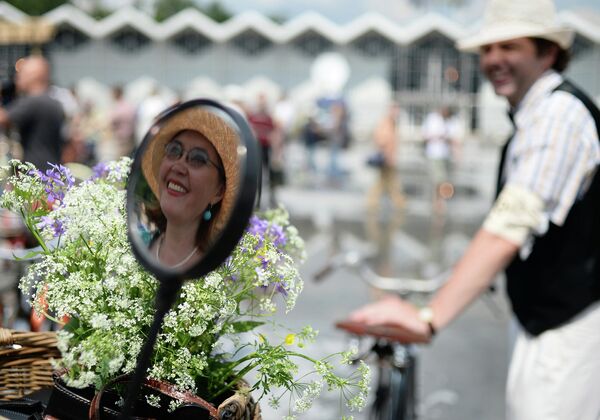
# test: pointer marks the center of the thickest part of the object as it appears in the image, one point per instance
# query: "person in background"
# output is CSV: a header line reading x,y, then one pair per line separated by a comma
x,y
39,121
439,138
338,136
38,118
544,228
385,138
284,114
312,134
263,125
122,124
147,111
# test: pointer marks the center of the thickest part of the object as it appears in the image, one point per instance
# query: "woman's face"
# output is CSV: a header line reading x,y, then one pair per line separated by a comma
x,y
186,186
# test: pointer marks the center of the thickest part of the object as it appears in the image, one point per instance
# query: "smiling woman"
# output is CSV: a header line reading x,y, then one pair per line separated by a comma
x,y
189,184
191,168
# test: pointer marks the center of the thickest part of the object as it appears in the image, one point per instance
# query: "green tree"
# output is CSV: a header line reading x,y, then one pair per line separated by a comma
x,y
278,18
216,11
36,7
99,13
164,9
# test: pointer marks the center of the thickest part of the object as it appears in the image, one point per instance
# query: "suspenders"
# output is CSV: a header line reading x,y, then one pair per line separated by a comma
x,y
567,86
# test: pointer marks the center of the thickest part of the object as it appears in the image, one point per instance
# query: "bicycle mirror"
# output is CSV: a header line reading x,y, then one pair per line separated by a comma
x,y
192,189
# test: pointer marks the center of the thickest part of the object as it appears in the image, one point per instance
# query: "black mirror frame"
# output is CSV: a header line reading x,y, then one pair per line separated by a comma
x,y
242,209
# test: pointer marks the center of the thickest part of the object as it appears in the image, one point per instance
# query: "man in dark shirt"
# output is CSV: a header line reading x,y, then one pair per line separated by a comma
x,y
37,118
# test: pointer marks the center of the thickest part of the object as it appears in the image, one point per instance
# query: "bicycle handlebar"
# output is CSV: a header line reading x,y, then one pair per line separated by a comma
x,y
400,285
347,259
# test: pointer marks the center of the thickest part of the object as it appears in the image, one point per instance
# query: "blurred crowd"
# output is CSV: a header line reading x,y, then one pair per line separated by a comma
x,y
43,123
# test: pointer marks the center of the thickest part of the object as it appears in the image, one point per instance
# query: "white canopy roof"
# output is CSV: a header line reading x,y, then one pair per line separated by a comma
x,y
280,34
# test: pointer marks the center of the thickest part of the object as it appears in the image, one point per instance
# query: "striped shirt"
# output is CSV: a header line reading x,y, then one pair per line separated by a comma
x,y
555,150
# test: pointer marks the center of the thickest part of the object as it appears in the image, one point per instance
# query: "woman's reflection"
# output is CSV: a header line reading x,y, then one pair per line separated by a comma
x,y
192,168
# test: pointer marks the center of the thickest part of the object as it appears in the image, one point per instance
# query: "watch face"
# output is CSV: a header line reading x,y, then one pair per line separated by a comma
x,y
426,314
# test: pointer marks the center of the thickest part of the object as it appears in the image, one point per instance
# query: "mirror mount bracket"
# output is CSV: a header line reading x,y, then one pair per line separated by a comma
x,y
167,293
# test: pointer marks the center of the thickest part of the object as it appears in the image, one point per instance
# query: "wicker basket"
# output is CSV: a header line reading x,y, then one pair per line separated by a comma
x,y
25,362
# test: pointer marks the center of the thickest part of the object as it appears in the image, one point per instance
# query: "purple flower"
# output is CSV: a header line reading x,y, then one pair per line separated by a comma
x,y
57,226
281,287
257,226
262,229
264,262
57,180
101,170
279,236
60,172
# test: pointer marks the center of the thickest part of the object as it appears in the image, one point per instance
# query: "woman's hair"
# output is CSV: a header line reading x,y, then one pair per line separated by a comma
x,y
545,46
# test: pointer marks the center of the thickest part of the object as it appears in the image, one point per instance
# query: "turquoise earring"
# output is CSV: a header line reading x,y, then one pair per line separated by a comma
x,y
207,215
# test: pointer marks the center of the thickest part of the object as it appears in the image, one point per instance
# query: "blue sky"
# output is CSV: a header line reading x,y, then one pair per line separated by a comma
x,y
342,11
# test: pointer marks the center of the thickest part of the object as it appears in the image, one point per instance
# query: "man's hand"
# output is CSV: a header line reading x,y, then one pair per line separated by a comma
x,y
393,311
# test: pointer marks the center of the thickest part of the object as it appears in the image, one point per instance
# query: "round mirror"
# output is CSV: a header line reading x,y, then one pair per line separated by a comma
x,y
192,189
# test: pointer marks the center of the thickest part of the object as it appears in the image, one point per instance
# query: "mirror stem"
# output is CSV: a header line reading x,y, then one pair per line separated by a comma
x,y
166,295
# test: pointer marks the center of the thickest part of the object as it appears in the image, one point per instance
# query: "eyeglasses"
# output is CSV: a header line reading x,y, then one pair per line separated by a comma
x,y
195,157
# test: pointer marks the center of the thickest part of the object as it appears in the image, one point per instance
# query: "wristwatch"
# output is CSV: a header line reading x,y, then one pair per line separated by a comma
x,y
426,315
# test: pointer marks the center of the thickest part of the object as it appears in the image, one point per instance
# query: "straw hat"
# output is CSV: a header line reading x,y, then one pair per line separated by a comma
x,y
510,19
225,141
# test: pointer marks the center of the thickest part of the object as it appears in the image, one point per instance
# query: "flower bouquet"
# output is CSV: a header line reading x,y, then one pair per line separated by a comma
x,y
87,280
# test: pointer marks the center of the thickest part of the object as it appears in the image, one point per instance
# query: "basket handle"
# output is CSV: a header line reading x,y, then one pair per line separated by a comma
x,y
162,387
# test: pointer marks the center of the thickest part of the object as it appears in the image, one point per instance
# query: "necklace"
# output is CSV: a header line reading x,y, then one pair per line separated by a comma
x,y
180,263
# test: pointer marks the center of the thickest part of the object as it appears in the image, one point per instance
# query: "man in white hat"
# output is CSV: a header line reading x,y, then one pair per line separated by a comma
x,y
544,228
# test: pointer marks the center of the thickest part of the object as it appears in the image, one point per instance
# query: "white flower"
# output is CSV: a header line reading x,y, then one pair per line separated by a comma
x,y
267,305
93,278
153,400
310,394
348,356
115,364
100,321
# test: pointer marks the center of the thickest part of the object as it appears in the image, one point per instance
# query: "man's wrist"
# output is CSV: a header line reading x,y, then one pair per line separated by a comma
x,y
426,315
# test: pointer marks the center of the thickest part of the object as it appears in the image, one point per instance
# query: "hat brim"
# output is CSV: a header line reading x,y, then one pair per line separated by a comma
x,y
222,136
505,32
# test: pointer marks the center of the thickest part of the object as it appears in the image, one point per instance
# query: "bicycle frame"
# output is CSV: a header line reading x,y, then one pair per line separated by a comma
x,y
395,395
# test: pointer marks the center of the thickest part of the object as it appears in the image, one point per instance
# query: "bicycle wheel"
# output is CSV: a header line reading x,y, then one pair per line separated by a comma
x,y
395,393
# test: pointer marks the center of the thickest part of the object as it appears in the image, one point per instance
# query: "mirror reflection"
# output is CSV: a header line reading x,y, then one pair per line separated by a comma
x,y
184,199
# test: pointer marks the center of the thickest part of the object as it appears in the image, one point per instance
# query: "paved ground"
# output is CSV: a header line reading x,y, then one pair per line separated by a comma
x,y
462,375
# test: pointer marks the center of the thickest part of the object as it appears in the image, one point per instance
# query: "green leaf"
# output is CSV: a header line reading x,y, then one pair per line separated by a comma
x,y
72,325
28,256
245,326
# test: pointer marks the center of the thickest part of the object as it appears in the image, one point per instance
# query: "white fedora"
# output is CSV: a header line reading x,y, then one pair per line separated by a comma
x,y
511,19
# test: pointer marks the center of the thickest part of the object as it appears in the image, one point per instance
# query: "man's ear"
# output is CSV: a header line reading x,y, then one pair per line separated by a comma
x,y
551,56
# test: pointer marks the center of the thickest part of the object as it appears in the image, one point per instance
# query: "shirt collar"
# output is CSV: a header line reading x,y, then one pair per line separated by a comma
x,y
537,92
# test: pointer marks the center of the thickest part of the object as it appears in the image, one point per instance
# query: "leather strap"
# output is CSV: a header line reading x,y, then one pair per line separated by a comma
x,y
162,387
